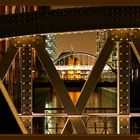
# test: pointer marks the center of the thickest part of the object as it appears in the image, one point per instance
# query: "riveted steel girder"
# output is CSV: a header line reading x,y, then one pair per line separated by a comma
x,y
67,20
123,92
26,90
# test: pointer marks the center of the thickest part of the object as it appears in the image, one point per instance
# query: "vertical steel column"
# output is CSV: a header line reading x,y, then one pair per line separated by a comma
x,y
123,91
26,101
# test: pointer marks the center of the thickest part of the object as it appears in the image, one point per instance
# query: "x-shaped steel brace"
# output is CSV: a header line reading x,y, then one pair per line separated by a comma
x,y
60,89
86,91
90,84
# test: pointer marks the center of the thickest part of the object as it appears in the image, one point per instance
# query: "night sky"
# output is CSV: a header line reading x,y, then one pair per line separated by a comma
x,y
79,42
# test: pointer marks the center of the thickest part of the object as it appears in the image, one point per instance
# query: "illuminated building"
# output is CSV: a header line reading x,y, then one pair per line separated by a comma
x,y
77,66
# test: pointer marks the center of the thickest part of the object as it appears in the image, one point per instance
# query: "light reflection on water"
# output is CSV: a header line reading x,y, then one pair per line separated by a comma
x,y
102,100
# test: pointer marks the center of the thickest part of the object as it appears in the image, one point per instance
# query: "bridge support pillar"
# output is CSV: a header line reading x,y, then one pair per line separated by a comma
x,y
26,101
123,89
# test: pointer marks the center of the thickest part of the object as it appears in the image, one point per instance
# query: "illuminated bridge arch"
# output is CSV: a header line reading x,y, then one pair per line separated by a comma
x,y
75,53
78,65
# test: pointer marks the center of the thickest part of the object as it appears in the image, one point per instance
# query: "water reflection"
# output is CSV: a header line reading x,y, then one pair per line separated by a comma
x,y
102,100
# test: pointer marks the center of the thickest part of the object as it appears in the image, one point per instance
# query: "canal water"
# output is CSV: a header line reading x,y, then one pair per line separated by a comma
x,y
102,100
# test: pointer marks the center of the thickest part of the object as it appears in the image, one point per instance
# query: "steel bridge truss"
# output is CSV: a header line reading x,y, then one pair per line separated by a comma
x,y
124,39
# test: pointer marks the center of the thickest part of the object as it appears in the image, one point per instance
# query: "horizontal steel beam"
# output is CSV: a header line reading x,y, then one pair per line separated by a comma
x,y
67,20
69,3
66,115
82,115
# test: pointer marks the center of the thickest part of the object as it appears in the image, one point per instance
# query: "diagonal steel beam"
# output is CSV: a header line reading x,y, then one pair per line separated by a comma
x,y
12,108
60,89
90,84
135,44
7,61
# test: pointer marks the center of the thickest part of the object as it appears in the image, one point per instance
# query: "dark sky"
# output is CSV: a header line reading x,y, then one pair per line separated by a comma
x,y
79,42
